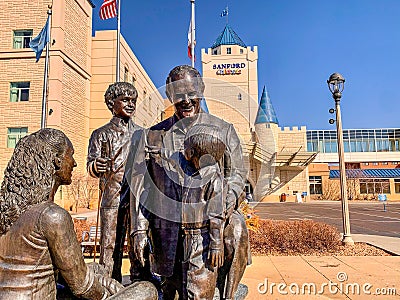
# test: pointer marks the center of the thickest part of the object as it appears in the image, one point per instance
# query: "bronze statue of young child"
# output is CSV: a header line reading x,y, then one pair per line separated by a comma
x,y
203,210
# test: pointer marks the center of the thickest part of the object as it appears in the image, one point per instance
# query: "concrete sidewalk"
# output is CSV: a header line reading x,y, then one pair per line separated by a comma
x,y
324,277
328,277
319,277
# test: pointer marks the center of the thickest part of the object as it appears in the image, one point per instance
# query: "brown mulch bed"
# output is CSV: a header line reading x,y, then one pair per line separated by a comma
x,y
304,237
285,238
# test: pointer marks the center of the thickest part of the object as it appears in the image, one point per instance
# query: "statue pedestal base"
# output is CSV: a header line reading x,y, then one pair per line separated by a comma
x,y
241,293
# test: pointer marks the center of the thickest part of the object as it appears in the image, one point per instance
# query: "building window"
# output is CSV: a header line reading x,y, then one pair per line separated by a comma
x,y
239,96
133,80
397,186
149,102
144,99
14,135
315,185
374,186
241,51
126,74
228,50
19,91
22,38
215,52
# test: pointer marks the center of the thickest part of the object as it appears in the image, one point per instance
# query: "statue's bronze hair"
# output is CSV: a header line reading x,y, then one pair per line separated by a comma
x,y
118,89
206,142
28,178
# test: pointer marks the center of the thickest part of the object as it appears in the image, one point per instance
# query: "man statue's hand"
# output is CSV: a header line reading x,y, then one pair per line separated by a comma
x,y
139,244
101,165
152,150
216,258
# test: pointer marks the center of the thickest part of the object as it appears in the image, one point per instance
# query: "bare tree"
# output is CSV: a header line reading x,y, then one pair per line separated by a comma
x,y
331,190
353,181
82,191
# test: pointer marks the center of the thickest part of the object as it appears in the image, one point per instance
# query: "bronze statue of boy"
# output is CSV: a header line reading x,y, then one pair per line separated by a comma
x,y
107,155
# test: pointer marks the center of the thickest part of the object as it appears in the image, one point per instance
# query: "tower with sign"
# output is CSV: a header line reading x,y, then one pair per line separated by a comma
x,y
230,74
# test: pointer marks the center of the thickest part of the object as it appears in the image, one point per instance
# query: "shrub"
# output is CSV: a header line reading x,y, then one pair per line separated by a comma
x,y
250,216
294,237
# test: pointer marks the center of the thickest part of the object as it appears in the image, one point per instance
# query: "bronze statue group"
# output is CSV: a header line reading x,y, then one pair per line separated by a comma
x,y
173,190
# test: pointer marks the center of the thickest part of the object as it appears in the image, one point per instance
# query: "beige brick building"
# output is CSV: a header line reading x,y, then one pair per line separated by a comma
x,y
80,70
293,161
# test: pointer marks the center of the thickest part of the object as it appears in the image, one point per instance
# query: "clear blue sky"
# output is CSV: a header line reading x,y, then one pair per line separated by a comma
x,y
300,44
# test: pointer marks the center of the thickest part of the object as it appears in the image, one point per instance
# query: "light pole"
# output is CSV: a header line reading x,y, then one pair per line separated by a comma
x,y
336,86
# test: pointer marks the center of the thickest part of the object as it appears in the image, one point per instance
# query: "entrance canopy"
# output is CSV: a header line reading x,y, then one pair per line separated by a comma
x,y
367,173
284,159
294,159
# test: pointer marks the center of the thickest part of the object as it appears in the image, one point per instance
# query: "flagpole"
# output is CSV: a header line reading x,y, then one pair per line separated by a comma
x,y
192,29
118,40
46,74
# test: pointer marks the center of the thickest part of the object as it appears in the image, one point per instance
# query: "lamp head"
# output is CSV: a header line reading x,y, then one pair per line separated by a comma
x,y
336,83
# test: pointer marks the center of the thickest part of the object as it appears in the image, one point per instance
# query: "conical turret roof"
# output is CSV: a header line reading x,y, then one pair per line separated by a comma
x,y
203,105
228,37
266,112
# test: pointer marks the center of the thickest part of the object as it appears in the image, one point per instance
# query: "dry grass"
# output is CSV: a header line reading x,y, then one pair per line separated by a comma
x,y
271,237
303,237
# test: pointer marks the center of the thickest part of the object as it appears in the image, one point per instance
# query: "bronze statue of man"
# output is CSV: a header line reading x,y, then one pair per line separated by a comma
x,y
107,156
37,236
156,197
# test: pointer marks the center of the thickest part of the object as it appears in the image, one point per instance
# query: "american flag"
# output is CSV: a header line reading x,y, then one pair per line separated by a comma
x,y
108,9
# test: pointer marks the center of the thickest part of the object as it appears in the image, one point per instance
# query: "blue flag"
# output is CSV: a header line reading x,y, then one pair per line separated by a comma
x,y
224,12
38,43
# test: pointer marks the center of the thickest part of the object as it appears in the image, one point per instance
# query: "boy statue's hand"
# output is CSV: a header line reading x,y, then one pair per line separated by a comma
x,y
101,165
216,258
216,246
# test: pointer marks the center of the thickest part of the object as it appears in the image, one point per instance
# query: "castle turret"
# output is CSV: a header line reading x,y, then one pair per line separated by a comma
x,y
266,112
266,124
229,70
267,131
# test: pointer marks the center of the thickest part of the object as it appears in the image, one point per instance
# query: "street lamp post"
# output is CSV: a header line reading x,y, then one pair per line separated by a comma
x,y
336,86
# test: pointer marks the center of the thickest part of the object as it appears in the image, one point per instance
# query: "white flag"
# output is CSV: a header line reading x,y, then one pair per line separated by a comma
x,y
190,39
